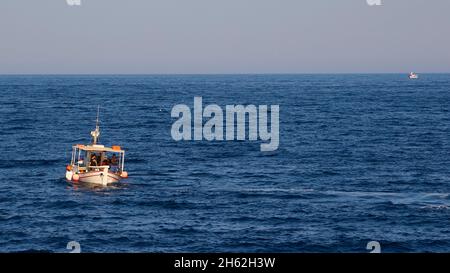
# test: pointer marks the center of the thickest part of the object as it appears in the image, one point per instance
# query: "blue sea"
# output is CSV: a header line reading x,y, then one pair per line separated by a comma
x,y
361,158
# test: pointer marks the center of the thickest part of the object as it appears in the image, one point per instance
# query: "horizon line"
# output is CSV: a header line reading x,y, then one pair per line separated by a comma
x,y
212,74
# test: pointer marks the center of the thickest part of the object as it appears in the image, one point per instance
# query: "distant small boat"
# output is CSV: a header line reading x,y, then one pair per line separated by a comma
x,y
95,163
413,76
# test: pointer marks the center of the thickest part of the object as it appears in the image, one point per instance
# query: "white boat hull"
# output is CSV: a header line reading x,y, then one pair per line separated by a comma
x,y
413,76
99,178
98,175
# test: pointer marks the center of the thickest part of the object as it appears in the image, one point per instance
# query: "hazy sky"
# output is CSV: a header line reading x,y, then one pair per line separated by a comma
x,y
224,36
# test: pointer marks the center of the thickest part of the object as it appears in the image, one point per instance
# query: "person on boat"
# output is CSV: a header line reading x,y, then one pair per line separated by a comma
x,y
94,160
105,161
113,162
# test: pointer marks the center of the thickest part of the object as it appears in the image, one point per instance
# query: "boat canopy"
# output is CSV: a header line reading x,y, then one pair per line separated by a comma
x,y
98,148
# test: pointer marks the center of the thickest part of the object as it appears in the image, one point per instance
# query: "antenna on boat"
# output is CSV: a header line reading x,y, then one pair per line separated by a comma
x,y
95,134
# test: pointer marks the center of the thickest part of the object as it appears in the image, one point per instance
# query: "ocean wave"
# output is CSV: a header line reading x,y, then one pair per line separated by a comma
x,y
436,207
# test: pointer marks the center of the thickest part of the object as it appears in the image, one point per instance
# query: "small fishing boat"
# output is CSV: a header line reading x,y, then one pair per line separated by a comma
x,y
413,76
94,163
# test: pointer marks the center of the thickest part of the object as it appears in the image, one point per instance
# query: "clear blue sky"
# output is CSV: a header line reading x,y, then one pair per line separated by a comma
x,y
224,36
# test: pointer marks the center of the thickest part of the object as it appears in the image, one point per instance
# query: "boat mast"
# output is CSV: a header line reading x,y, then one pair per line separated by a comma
x,y
95,134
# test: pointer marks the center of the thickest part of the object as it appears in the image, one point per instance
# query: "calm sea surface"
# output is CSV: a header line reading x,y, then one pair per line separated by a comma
x,y
361,158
